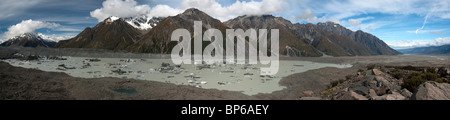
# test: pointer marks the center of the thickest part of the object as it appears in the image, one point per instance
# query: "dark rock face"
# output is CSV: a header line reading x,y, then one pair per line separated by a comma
x,y
109,34
28,40
313,40
375,45
289,43
329,43
155,21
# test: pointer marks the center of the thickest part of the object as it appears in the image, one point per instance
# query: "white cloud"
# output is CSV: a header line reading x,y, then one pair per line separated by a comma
x,y
223,13
130,8
27,26
120,8
310,18
368,26
163,11
357,22
435,31
404,44
354,22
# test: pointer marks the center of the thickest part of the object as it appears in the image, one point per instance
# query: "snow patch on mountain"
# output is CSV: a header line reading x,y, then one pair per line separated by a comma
x,y
30,39
114,18
40,36
27,35
139,22
143,22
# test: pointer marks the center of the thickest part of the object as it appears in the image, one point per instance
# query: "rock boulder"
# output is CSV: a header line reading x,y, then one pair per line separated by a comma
x,y
432,91
393,96
376,72
349,95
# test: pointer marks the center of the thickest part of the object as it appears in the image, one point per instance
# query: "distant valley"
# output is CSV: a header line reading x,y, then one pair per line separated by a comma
x,y
444,49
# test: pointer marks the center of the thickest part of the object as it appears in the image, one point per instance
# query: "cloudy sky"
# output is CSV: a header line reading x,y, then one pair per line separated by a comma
x,y
400,23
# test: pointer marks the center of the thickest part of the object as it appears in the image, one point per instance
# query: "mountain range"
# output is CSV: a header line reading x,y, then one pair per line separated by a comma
x,y
443,49
152,35
28,40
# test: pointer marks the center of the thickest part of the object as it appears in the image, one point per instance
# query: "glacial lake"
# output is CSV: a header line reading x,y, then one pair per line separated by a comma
x,y
243,78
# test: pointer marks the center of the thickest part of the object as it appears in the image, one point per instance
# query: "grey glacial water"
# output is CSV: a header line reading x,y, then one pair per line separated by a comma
x,y
244,78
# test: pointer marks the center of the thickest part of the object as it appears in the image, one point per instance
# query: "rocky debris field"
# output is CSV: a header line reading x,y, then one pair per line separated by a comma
x,y
392,83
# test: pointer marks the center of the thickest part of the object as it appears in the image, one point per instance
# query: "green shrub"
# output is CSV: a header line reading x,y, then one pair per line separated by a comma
x,y
409,67
397,73
439,80
413,81
431,70
429,76
442,80
416,78
415,74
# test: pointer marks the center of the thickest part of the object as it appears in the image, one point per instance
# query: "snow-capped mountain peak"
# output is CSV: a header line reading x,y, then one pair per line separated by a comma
x,y
139,22
40,36
29,40
27,35
143,22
